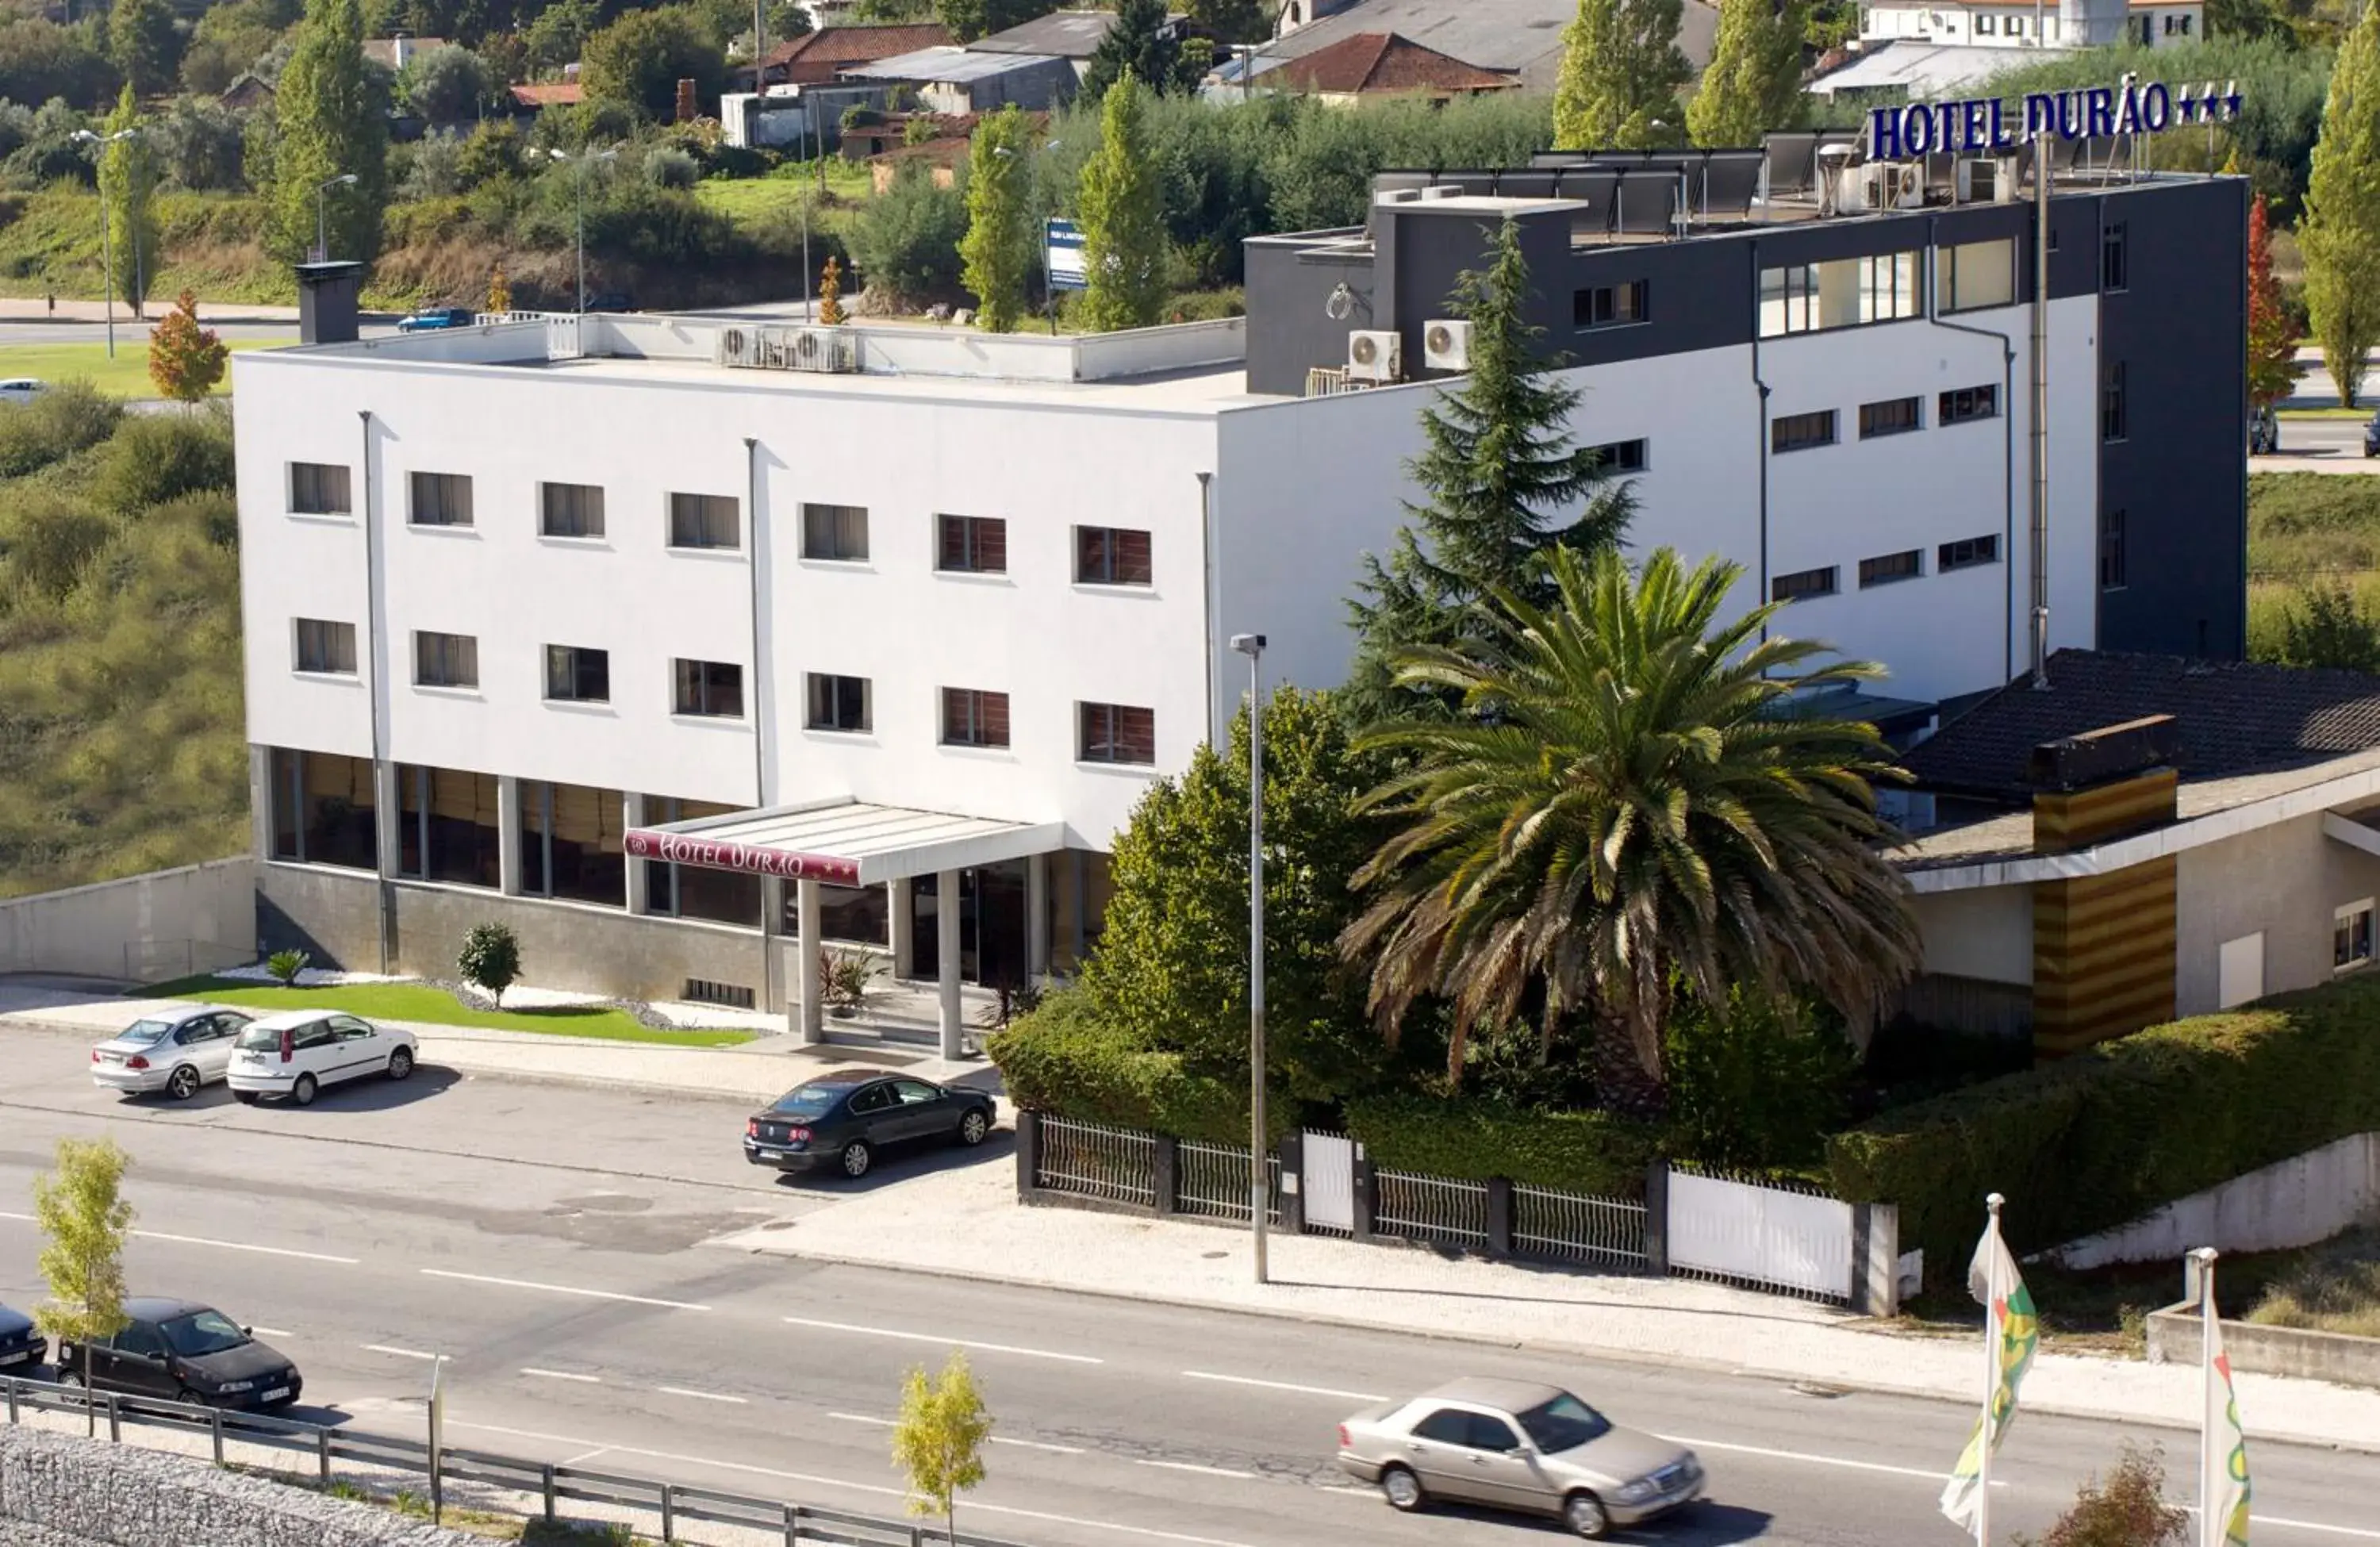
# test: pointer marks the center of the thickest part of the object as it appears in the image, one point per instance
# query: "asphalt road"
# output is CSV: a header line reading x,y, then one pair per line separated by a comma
x,y
524,1234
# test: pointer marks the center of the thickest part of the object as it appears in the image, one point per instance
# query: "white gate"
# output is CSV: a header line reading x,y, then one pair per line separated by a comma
x,y
1328,1181
1779,1238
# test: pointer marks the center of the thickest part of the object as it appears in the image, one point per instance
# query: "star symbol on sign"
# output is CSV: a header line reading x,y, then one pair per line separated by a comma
x,y
2187,108
2231,105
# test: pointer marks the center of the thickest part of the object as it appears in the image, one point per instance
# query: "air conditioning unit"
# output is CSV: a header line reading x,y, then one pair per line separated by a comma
x,y
1446,344
1375,355
1985,179
1442,191
738,347
1884,185
825,349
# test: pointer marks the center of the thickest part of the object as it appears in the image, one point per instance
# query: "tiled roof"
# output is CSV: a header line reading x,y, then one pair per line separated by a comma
x,y
1365,62
858,45
1519,35
546,93
2235,717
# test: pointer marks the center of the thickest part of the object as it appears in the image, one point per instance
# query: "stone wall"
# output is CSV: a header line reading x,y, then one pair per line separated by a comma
x,y
2175,1336
143,928
65,1491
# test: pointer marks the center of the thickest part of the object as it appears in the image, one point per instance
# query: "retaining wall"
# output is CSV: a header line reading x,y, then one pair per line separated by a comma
x,y
2174,1337
2306,1199
143,928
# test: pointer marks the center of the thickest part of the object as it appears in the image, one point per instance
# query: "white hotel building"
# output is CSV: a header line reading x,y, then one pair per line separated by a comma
x,y
549,620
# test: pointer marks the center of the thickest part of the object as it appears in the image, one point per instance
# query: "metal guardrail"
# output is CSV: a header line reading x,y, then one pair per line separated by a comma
x,y
550,1483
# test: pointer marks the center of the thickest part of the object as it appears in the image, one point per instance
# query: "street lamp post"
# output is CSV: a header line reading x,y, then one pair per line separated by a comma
x,y
106,246
1259,1190
582,158
321,222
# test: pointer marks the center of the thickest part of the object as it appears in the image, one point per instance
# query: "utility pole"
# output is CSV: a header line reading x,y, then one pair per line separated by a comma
x,y
321,224
1260,1180
107,247
2039,429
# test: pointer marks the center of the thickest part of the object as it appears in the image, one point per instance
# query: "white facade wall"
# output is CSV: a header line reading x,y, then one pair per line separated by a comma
x,y
2011,26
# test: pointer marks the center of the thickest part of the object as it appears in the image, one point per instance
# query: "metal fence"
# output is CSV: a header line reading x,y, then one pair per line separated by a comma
x,y
1761,1233
1431,1208
671,1504
1578,1225
1213,1182
1089,1161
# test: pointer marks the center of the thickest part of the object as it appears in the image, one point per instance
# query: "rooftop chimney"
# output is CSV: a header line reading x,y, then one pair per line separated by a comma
x,y
326,301
2105,783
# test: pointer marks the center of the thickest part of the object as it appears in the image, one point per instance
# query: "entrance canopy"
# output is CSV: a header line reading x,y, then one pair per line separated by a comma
x,y
847,843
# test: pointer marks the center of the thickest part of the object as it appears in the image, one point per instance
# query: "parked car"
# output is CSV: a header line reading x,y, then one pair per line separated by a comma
x,y
2264,432
611,300
2372,435
1518,1446
842,1119
176,1052
297,1052
186,1352
21,1344
21,389
435,319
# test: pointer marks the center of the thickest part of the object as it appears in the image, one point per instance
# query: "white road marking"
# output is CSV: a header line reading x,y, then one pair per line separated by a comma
x,y
1343,1488
996,1439
703,1395
564,1289
403,1353
1816,1460
270,1331
583,1456
2304,1525
945,1342
1190,1466
863,1418
1283,1385
563,1375
227,1246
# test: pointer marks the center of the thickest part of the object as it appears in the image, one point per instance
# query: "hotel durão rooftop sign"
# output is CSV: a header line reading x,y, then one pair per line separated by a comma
x,y
1989,126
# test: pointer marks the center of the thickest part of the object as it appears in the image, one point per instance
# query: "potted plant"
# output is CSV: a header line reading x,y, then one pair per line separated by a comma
x,y
848,976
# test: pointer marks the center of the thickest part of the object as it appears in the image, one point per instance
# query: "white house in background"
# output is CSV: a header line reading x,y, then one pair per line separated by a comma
x,y
2019,24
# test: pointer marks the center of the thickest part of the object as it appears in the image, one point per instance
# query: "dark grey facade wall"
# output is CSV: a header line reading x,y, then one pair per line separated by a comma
x,y
1287,288
2179,327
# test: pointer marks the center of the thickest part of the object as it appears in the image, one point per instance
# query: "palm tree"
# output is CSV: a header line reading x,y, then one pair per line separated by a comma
x,y
1631,808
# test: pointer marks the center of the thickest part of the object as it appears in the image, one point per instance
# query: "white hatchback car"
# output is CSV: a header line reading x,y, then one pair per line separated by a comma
x,y
176,1052
298,1052
21,389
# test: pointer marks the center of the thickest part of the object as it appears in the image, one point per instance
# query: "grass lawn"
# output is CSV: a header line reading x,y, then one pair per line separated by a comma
x,y
2331,1287
425,1002
2365,412
127,375
2104,1311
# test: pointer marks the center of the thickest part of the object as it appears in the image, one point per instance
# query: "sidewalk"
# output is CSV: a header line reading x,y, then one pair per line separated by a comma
x,y
34,309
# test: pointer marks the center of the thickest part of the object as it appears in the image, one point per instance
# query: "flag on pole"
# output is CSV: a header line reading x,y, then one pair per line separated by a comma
x,y
2223,1490
2012,1333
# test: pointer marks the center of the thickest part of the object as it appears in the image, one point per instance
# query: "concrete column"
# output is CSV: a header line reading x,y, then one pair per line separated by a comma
x,y
508,835
385,815
1075,925
773,926
809,1006
903,926
946,935
633,815
262,799
1036,917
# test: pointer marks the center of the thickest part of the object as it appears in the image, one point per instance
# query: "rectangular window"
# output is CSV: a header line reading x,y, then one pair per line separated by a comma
x,y
972,717
1802,583
2350,935
1897,417
971,544
1839,293
318,489
2111,550
445,660
697,891
447,828
1984,25
1882,571
710,521
838,703
1974,274
2115,263
1118,733
326,647
323,809
569,510
572,843
1112,556
1967,552
834,531
1963,405
441,499
577,675
1801,432
1609,306
861,915
2114,415
1623,456
714,689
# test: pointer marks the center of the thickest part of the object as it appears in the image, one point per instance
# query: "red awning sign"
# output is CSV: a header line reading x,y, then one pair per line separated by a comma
x,y
685,850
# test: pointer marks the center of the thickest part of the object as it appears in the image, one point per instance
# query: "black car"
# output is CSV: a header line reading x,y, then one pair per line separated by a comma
x,y
21,1344
185,1351
842,1119
2372,437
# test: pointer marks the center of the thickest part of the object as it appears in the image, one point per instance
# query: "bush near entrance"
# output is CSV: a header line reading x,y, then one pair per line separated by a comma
x,y
2101,1138
1061,1059
1475,1139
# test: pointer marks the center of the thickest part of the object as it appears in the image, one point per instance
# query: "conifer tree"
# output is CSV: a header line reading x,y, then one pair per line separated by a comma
x,y
1123,217
1620,71
142,44
998,248
1754,82
1141,44
2341,234
332,121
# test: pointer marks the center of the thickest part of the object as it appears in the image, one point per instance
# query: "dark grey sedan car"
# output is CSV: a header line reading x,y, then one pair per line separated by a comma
x,y
840,1120
21,1344
184,1351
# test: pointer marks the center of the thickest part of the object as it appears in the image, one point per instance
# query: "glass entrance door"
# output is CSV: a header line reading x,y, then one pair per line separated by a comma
x,y
992,925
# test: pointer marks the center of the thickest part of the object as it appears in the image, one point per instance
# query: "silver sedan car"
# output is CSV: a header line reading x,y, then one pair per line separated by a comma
x,y
1518,1446
175,1052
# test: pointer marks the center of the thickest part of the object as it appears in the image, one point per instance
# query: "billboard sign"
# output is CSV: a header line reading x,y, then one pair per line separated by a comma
x,y
1989,126
1062,255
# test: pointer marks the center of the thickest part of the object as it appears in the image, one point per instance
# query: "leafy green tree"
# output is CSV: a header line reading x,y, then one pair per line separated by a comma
x,y
2341,234
641,58
1172,962
445,85
1754,82
143,45
938,1439
198,144
905,240
1621,69
970,20
1123,217
1231,22
2330,627
560,32
332,121
1632,810
1505,482
185,360
490,958
1757,1081
81,1213
1141,44
2126,1510
127,181
40,60
999,246
2271,331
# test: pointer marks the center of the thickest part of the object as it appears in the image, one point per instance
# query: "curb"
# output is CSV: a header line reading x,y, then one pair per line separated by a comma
x,y
1584,1351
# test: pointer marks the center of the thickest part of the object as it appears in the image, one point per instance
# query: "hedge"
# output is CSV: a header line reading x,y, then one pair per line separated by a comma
x,y
1060,1060
2098,1140
1475,1139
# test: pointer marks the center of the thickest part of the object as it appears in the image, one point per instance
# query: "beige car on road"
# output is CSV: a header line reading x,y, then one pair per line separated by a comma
x,y
1515,1444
